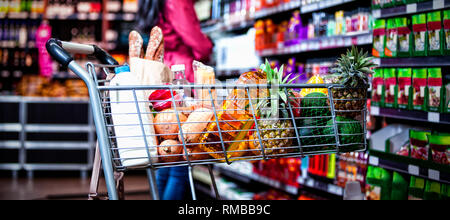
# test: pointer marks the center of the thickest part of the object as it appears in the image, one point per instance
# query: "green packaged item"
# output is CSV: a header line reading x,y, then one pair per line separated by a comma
x,y
440,148
432,191
405,38
379,38
447,94
400,184
435,90
378,88
419,144
447,32
405,89
391,48
420,33
386,184
416,188
445,192
435,34
373,183
419,89
391,88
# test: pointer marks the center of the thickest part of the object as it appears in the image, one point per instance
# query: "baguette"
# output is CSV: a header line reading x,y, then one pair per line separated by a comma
x,y
136,44
155,49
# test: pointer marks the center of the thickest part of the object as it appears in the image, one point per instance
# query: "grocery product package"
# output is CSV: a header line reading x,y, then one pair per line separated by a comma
x,y
373,188
400,184
416,188
391,49
435,89
419,144
419,89
205,75
446,21
435,33
405,37
405,88
420,34
432,190
447,94
379,35
440,148
391,87
378,88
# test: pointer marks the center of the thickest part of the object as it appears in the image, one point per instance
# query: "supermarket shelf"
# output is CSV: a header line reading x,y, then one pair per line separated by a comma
x,y
10,145
10,166
284,7
438,61
313,7
420,168
20,15
10,127
35,167
324,43
420,7
411,115
58,128
322,186
57,145
49,100
247,178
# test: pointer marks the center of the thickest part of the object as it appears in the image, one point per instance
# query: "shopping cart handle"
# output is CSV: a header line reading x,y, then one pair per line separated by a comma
x,y
60,50
55,50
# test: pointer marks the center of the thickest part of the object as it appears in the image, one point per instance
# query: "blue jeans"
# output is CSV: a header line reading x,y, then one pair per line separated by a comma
x,y
172,183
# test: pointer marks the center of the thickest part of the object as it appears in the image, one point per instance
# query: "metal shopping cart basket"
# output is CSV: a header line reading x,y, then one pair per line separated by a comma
x,y
224,126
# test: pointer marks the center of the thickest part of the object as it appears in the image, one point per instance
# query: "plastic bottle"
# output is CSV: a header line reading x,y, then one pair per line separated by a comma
x,y
179,76
125,112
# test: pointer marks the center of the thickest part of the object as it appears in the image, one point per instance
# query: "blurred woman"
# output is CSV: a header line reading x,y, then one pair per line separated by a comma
x,y
184,43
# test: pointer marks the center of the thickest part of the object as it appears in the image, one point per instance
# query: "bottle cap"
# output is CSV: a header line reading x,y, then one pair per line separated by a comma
x,y
122,69
176,68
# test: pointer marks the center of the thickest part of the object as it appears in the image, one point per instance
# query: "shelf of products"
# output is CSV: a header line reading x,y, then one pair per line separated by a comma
x,y
37,138
321,5
239,15
324,43
412,8
249,176
441,61
322,186
415,167
411,115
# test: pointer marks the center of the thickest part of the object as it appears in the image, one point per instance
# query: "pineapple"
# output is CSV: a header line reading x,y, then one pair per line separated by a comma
x,y
352,70
275,124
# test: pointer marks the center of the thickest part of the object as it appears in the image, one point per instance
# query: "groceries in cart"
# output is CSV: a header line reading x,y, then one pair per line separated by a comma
x,y
157,114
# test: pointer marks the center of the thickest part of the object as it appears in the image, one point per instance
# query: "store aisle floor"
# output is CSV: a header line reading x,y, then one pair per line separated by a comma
x,y
65,188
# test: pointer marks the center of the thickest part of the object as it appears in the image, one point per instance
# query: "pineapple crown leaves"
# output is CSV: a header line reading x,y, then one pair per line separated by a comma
x,y
353,68
275,79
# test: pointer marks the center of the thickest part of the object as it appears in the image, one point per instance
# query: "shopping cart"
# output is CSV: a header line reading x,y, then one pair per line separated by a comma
x,y
310,125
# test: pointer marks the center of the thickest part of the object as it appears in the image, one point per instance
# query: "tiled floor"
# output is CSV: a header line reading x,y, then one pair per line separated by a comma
x,y
65,188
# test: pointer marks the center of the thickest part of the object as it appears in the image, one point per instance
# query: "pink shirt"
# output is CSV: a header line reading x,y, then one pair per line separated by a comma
x,y
183,37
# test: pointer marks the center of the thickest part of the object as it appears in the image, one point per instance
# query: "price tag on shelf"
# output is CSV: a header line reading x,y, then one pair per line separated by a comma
x,y
374,161
434,175
438,4
291,189
413,170
375,110
376,13
82,16
334,189
434,117
411,8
